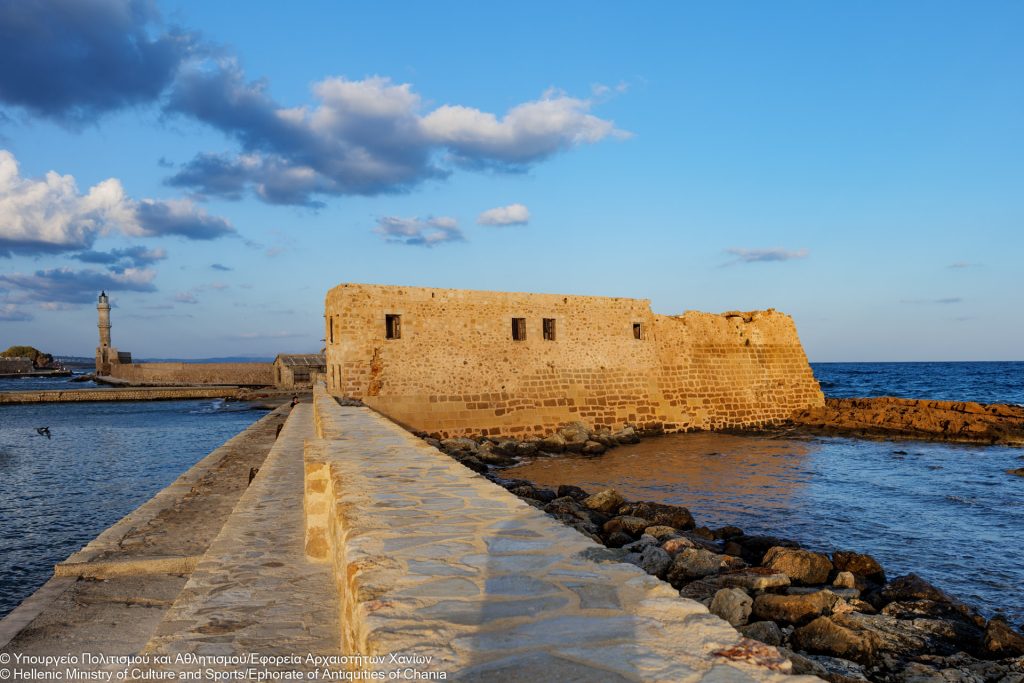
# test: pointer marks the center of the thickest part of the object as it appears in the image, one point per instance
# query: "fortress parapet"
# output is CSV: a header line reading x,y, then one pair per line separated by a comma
x,y
455,362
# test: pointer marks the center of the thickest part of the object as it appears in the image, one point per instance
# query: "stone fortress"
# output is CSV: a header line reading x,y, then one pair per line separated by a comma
x,y
459,362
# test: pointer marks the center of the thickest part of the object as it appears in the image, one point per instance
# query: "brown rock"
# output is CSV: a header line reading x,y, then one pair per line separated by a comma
x,y
553,443
802,566
794,609
675,516
606,502
825,635
912,587
634,526
753,548
731,604
859,564
572,492
661,533
674,545
594,448
1001,640
694,563
755,578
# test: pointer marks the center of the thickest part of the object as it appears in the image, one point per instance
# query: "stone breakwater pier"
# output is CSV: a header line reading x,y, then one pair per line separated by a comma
x,y
358,548
120,394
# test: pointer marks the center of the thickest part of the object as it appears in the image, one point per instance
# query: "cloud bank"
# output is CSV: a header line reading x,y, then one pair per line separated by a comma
x,y
78,286
74,60
50,215
513,214
362,137
420,232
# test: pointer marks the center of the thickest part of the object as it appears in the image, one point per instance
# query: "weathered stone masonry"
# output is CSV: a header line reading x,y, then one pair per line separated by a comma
x,y
453,365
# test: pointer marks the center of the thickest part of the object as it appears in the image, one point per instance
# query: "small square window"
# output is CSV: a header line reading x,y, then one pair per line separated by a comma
x,y
519,329
549,329
638,331
393,326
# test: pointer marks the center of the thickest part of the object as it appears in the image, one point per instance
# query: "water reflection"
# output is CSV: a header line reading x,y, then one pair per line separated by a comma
x,y
949,512
711,473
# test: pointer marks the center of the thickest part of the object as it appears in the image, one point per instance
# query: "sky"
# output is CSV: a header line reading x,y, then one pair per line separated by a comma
x,y
216,170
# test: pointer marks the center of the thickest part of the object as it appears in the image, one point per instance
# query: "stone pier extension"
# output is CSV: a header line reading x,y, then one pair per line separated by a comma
x,y
254,590
433,560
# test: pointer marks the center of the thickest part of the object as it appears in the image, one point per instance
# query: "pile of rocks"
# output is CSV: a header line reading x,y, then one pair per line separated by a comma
x,y
836,616
482,453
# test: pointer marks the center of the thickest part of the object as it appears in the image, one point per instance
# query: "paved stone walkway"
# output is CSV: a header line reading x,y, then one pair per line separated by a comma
x,y
254,591
437,563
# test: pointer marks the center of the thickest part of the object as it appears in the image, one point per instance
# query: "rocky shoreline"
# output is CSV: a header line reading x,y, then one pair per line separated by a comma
x,y
835,615
958,421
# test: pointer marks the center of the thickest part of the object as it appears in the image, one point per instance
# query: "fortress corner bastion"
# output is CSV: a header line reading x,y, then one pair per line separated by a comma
x,y
459,362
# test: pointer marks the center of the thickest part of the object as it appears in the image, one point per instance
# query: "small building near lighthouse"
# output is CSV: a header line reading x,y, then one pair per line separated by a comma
x,y
298,369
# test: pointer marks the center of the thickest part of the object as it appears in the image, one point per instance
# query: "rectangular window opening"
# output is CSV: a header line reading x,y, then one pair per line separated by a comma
x,y
549,329
638,332
331,327
519,329
393,326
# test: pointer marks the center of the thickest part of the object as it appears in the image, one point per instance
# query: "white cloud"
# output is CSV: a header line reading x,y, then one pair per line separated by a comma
x,y
421,232
49,214
513,214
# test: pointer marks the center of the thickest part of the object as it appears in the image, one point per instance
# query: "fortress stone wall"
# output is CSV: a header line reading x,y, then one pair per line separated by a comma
x,y
242,374
455,367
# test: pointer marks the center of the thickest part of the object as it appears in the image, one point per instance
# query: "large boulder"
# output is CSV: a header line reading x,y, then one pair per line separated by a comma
x,y
572,491
534,492
1002,641
553,443
673,546
696,563
625,436
753,548
594,448
675,516
912,587
732,604
859,564
576,434
794,609
634,526
826,636
457,444
801,566
607,502
652,560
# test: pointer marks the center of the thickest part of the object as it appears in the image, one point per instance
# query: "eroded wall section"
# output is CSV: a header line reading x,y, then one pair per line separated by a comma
x,y
454,365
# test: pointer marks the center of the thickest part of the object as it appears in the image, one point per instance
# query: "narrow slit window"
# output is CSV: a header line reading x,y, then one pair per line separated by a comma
x,y
549,329
330,325
638,331
393,326
519,329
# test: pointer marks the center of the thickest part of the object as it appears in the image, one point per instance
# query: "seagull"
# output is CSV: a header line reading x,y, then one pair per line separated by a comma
x,y
43,431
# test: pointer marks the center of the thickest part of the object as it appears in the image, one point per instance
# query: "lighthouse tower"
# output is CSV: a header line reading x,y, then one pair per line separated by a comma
x,y
107,355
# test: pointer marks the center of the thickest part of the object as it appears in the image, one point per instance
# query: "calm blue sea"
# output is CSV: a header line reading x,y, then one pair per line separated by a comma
x,y
993,382
102,461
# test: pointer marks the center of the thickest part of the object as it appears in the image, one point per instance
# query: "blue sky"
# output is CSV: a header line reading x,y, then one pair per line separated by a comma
x,y
857,165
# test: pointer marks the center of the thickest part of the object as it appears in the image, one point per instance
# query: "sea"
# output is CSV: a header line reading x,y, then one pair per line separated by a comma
x,y
101,461
948,512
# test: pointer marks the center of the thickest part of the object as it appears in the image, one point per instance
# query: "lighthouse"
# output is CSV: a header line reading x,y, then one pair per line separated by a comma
x,y
107,355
